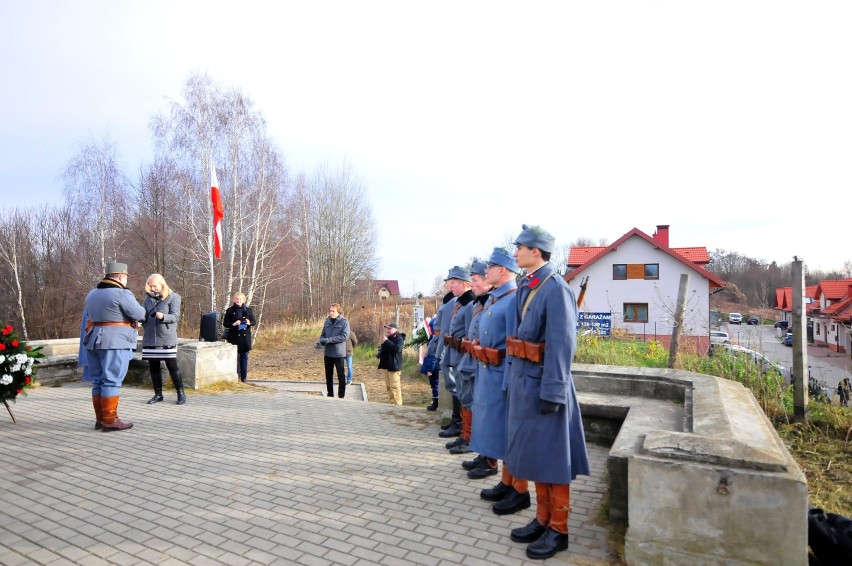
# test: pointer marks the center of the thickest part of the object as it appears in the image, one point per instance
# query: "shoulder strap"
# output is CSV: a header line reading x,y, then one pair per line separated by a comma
x,y
533,294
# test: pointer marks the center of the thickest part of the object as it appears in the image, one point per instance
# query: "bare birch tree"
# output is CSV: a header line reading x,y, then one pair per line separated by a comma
x,y
14,238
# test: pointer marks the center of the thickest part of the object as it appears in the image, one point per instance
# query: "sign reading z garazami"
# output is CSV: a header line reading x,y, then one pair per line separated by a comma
x,y
595,323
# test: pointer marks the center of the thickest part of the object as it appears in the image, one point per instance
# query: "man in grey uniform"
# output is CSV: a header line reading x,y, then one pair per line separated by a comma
x,y
453,329
112,314
436,343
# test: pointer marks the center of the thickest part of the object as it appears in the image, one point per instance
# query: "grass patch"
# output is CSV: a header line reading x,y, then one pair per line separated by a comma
x,y
281,335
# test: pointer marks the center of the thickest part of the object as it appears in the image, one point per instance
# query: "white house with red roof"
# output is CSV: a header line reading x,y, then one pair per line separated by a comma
x,y
633,284
833,319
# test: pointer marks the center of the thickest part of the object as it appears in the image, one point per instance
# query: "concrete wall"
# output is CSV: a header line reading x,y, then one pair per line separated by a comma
x,y
696,468
200,363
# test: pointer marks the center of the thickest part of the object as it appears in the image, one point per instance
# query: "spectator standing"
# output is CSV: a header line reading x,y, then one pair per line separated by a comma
x,y
390,359
159,341
239,319
335,335
112,315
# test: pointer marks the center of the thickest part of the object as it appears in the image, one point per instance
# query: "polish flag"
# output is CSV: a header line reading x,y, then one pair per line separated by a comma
x,y
218,212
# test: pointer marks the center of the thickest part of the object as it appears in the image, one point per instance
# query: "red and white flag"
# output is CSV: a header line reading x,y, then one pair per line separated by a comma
x,y
218,212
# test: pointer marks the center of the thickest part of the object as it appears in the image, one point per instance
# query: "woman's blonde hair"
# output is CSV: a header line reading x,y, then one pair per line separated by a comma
x,y
243,295
157,278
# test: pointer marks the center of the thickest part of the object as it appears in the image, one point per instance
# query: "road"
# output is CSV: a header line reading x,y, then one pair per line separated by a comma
x,y
827,366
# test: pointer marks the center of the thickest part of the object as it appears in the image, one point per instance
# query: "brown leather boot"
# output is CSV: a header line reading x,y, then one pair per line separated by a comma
x,y
99,420
109,406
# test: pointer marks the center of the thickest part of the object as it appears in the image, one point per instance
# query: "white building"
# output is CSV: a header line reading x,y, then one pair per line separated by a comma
x,y
634,283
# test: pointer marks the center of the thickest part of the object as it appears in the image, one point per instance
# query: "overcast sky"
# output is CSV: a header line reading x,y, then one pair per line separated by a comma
x,y
729,121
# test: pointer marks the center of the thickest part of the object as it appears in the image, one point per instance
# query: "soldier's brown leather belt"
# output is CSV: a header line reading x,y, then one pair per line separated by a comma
x,y
466,345
90,324
490,356
532,351
454,343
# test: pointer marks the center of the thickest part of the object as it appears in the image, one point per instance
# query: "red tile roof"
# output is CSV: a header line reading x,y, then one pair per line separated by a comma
x,y
578,255
834,289
695,255
838,307
600,252
784,298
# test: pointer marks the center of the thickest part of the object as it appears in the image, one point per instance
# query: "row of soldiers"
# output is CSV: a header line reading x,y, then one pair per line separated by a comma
x,y
505,348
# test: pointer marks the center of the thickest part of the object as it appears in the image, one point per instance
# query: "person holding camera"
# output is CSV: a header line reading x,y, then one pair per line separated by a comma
x,y
238,321
390,359
159,341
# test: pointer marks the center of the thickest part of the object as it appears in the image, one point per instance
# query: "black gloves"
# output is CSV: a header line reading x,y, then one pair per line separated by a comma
x,y
547,408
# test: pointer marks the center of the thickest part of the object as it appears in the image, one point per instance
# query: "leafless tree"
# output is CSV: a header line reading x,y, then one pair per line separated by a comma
x,y
96,190
14,240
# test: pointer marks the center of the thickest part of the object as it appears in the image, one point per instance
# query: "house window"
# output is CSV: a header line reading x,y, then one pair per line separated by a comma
x,y
817,329
635,312
652,271
619,271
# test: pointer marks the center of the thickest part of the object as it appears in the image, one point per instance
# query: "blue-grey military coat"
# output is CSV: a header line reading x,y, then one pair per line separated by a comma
x,y
547,448
457,326
335,333
111,302
468,363
436,344
488,434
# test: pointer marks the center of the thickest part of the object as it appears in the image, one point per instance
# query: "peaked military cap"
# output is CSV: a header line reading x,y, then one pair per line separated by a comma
x,y
536,237
501,257
458,273
115,268
478,268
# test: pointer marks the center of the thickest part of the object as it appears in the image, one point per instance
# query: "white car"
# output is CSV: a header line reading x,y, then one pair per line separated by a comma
x,y
719,337
735,318
751,356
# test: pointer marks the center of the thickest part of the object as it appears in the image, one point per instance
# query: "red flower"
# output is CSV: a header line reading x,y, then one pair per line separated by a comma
x,y
27,379
5,332
534,282
2,347
9,328
19,391
14,343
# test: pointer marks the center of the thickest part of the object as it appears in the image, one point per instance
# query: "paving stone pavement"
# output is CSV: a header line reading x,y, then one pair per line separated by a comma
x,y
254,478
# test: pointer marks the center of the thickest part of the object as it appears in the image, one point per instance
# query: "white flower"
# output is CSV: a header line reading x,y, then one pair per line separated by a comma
x,y
6,379
2,359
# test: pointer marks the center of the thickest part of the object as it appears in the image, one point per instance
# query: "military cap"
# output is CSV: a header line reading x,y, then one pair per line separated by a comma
x,y
392,325
458,273
116,268
536,237
501,257
478,268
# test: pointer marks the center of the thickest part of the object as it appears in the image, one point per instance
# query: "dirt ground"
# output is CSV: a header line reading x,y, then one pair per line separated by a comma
x,y
303,362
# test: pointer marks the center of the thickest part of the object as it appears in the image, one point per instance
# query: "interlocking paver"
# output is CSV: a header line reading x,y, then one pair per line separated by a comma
x,y
255,478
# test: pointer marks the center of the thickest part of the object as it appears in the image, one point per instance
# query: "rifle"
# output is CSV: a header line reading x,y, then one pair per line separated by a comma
x,y
582,294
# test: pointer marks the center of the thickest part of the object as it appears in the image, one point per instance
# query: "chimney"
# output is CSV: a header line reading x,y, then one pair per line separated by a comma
x,y
661,236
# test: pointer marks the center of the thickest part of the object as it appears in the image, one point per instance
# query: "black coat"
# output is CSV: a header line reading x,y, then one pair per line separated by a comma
x,y
240,338
390,352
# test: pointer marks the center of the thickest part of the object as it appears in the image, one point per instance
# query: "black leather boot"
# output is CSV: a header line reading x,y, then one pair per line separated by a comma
x,y
495,493
512,503
434,405
548,544
157,381
528,533
455,423
177,379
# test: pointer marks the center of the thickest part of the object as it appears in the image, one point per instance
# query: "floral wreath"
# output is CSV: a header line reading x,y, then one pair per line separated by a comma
x,y
17,361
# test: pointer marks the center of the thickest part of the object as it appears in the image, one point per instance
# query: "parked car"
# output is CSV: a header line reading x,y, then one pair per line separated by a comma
x,y
719,337
752,320
788,338
735,318
782,324
715,318
750,356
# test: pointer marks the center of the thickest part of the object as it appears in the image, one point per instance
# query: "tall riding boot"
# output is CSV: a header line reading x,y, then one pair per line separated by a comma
x,y
455,423
99,419
433,384
177,379
109,408
157,381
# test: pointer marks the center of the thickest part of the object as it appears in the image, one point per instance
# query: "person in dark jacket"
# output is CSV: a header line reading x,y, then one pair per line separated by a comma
x,y
159,342
238,320
390,359
335,335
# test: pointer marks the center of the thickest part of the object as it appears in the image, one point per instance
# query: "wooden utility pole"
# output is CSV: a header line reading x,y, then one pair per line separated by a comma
x,y
678,319
799,369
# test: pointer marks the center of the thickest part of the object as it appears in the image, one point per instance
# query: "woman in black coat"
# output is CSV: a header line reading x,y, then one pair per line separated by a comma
x,y
238,321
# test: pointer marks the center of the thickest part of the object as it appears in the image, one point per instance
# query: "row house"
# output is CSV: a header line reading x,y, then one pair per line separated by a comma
x,y
833,320
633,287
